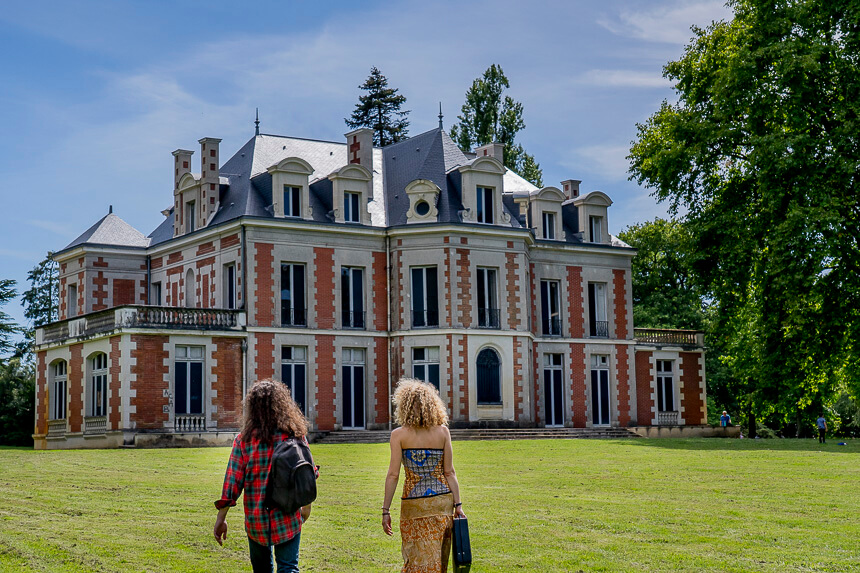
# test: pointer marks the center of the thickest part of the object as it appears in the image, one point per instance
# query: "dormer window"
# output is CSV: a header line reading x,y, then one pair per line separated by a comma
x,y
485,205
548,225
594,226
189,217
292,201
351,213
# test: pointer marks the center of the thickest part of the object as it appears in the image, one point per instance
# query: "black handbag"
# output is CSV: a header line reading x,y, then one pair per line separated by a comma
x,y
461,547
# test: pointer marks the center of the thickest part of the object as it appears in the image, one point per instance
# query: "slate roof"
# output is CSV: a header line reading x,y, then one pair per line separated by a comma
x,y
111,230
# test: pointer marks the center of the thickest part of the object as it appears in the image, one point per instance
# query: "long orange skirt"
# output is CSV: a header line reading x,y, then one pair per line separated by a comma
x,y
425,531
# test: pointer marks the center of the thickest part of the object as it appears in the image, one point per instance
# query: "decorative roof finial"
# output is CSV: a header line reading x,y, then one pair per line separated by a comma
x,y
110,209
257,123
440,115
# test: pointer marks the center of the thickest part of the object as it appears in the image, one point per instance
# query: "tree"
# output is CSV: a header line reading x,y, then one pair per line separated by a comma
x,y
41,301
17,400
486,117
379,110
761,151
8,328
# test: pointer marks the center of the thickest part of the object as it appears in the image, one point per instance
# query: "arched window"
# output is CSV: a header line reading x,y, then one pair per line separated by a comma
x,y
489,377
189,289
97,405
58,390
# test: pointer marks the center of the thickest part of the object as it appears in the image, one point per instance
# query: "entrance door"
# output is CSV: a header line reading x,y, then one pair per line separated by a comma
x,y
600,390
353,388
552,388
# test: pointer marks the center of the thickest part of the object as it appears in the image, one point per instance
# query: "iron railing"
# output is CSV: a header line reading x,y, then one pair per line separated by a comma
x,y
293,316
600,329
425,318
552,326
353,319
669,336
488,318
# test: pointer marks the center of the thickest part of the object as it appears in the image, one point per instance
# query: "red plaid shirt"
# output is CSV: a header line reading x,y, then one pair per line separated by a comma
x,y
248,469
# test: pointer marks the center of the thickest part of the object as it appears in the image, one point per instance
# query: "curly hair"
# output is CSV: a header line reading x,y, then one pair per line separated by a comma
x,y
417,404
268,409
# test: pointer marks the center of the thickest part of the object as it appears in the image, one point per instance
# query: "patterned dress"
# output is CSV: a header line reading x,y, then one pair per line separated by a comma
x,y
426,512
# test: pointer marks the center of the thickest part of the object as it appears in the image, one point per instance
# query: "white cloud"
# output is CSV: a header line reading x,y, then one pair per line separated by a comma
x,y
53,226
624,78
607,162
669,23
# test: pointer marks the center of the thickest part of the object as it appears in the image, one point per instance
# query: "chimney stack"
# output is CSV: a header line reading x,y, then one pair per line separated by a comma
x,y
571,188
209,179
181,164
496,150
359,147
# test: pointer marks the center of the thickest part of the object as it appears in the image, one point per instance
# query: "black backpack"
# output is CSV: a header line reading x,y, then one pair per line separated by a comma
x,y
292,480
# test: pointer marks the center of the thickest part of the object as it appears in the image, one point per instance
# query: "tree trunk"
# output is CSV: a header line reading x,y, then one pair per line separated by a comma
x,y
751,433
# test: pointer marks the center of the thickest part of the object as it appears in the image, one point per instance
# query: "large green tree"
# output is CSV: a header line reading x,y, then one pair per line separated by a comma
x,y
488,117
761,152
8,327
17,402
41,300
379,110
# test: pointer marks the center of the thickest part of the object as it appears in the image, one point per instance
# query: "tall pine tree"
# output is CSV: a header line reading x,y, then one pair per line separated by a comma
x,y
379,110
41,301
487,117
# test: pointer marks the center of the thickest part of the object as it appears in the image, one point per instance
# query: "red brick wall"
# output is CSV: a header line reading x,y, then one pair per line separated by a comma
x,y
123,291
264,343
513,291
82,291
174,258
691,380
454,384
206,248
578,412
380,292
114,382
619,278
64,296
150,370
229,241
42,393
325,283
382,380
399,301
264,285
228,384
76,388
464,283
464,383
622,366
533,295
575,304
519,382
644,403
100,292
326,377
536,377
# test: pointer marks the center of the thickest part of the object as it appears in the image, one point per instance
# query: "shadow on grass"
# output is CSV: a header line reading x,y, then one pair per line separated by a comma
x,y
745,444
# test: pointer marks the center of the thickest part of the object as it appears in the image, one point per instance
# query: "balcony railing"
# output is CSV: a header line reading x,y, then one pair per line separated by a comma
x,y
600,329
95,424
189,423
293,316
667,418
552,326
56,428
669,336
138,316
488,318
354,319
425,318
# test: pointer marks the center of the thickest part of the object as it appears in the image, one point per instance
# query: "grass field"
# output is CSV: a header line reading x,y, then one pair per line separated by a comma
x,y
552,505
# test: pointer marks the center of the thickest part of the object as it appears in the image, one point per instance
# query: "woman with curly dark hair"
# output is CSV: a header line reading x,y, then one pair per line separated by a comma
x,y
270,416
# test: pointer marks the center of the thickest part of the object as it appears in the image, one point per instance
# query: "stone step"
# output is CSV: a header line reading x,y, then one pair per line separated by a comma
x,y
381,436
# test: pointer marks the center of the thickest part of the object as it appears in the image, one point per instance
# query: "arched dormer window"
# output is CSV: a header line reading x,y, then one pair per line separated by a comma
x,y
592,216
186,209
97,389
545,207
290,191
351,190
482,185
489,377
423,199
59,389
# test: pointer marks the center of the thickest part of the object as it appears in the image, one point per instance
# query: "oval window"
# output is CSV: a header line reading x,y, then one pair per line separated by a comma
x,y
422,208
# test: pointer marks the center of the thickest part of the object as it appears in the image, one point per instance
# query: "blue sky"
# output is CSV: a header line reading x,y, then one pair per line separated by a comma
x,y
95,95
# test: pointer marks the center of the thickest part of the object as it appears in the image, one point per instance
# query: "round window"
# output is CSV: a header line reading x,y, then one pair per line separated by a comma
x,y
422,208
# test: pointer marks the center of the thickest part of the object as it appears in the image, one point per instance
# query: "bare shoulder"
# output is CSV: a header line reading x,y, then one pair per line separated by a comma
x,y
397,435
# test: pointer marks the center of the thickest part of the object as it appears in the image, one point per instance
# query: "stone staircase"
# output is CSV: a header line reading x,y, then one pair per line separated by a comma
x,y
381,436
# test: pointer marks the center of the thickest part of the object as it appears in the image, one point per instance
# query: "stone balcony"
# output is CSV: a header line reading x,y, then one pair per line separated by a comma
x,y
669,337
140,317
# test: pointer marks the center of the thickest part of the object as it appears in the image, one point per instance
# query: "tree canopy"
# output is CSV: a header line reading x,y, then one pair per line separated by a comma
x,y
8,327
761,153
487,117
379,110
41,301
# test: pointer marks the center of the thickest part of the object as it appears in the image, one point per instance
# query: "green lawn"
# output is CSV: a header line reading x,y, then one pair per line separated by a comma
x,y
552,505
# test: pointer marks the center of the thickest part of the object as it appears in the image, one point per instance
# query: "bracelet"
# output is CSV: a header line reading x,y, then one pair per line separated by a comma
x,y
458,504
386,513
385,508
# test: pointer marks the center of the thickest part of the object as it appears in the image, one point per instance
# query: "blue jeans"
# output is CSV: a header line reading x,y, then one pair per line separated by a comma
x,y
286,556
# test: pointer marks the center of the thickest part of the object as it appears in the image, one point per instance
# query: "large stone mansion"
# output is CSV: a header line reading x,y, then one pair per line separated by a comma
x,y
338,268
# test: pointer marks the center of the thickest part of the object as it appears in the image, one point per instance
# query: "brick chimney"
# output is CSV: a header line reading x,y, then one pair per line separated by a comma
x,y
571,188
181,164
209,162
359,147
496,150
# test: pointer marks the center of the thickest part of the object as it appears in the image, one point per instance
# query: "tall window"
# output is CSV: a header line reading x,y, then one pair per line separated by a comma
x,y
353,387
425,364
230,286
73,301
155,294
292,201
665,386
294,363
98,385
58,390
352,296
600,389
550,305
292,295
485,205
597,323
594,226
351,212
548,225
489,377
425,297
190,216
188,381
553,389
189,289
488,308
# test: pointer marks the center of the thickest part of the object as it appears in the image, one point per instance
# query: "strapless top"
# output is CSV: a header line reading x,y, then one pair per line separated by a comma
x,y
425,473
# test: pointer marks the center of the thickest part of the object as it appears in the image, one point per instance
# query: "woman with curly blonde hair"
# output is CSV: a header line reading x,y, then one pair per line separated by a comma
x,y
431,494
